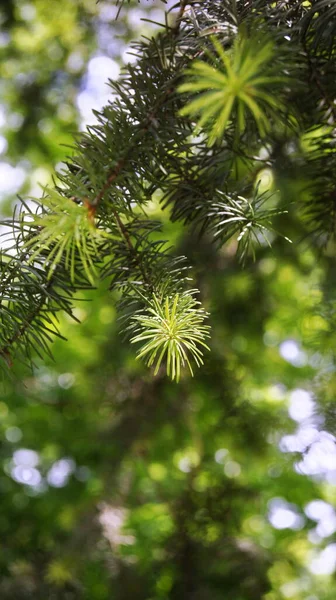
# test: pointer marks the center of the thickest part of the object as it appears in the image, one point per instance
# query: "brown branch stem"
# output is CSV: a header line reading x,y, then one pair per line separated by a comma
x,y
180,14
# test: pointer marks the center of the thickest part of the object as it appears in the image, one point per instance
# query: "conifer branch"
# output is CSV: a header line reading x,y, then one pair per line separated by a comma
x,y
183,149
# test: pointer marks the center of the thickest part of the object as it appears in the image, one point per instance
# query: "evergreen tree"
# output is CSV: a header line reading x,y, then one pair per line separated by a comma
x,y
226,120
230,89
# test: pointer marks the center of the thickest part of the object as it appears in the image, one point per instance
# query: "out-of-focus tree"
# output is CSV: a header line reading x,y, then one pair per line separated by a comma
x,y
119,485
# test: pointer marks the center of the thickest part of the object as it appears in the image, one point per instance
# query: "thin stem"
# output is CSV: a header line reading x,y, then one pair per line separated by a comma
x,y
111,178
180,14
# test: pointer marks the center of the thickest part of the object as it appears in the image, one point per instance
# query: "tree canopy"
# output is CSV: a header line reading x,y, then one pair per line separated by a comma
x,y
189,224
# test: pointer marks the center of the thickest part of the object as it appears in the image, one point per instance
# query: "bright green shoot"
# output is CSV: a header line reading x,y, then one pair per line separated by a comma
x,y
64,230
238,84
173,329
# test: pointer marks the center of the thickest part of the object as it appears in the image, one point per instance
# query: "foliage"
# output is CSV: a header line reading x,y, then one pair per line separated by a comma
x,y
141,131
173,328
246,80
116,484
250,219
63,228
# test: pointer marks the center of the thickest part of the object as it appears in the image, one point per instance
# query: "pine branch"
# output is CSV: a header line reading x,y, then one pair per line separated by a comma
x,y
45,237
202,161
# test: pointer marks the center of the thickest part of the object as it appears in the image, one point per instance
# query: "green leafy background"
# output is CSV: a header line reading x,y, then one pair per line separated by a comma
x,y
138,487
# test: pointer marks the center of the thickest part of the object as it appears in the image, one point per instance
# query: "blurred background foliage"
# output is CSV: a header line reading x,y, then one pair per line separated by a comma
x,y
115,485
